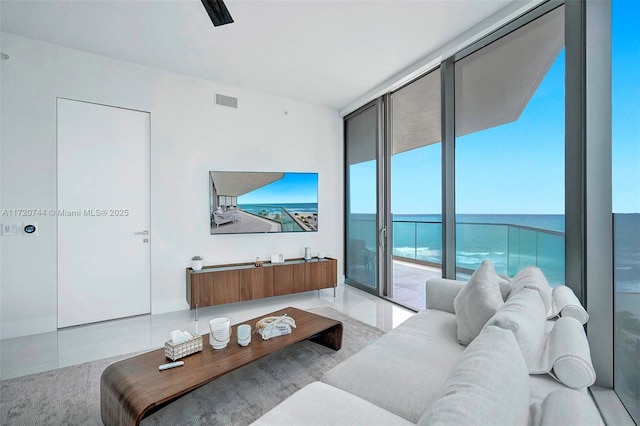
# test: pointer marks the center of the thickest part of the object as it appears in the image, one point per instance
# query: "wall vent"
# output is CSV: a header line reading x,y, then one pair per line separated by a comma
x,y
227,101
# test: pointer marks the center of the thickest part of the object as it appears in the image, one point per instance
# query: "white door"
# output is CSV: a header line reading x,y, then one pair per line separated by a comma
x,y
103,213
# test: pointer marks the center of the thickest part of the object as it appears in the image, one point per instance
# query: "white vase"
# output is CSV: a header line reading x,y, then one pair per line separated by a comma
x,y
196,265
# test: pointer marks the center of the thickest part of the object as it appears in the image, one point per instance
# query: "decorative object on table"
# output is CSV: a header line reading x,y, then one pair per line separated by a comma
x,y
182,343
275,326
258,262
244,334
307,253
196,263
321,255
219,332
277,258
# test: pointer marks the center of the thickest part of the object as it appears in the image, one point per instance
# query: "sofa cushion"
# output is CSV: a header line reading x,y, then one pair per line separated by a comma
x,y
532,277
477,302
440,293
541,385
524,315
565,407
569,352
505,286
488,385
566,356
319,403
402,369
565,304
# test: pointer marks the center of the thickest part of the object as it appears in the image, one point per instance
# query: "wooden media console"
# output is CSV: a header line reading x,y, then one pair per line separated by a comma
x,y
220,284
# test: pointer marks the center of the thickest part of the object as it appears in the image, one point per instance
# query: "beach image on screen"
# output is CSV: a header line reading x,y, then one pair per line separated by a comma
x,y
263,202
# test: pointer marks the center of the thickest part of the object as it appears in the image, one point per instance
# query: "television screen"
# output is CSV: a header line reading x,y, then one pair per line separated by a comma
x,y
263,202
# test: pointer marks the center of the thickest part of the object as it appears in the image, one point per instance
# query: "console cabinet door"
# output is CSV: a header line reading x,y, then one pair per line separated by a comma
x,y
321,274
217,288
256,283
312,277
287,278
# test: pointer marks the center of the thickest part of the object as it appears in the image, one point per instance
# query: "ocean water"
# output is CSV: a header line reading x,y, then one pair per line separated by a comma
x,y
511,242
626,253
291,207
276,212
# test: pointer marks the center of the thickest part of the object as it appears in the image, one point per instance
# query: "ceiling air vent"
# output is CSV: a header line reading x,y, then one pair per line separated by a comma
x,y
227,101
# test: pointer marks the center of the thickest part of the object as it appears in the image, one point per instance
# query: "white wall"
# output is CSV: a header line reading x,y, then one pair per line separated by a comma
x,y
189,137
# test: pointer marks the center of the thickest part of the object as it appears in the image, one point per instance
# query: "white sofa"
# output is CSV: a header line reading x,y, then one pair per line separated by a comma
x,y
220,218
419,373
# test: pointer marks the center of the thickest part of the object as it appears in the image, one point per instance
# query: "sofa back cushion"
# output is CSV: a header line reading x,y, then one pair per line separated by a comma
x,y
533,278
477,302
524,315
488,386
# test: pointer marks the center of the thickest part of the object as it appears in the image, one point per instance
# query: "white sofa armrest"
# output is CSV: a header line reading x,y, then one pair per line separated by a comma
x,y
441,292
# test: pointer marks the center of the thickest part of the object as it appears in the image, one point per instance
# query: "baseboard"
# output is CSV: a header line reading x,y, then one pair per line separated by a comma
x,y
27,327
162,307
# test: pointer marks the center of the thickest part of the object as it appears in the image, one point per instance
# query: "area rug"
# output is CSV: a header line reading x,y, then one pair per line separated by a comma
x,y
71,395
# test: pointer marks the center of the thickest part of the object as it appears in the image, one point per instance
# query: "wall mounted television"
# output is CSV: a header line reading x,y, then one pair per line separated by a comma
x,y
263,202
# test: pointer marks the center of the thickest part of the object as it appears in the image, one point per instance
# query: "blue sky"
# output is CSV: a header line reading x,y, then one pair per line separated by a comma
x,y
292,188
626,106
518,167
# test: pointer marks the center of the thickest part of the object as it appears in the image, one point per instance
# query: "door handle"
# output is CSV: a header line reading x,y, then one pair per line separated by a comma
x,y
142,233
382,235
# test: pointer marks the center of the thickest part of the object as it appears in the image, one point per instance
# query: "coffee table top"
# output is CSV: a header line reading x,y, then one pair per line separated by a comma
x,y
144,386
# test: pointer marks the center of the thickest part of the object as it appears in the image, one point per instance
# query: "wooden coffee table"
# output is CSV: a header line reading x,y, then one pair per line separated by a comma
x,y
133,388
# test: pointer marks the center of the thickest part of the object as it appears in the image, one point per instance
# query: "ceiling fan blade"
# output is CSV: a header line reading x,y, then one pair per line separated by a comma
x,y
217,12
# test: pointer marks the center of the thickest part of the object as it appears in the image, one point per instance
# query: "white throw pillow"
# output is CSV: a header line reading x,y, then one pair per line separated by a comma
x,y
532,277
570,354
566,304
488,386
524,315
477,302
566,356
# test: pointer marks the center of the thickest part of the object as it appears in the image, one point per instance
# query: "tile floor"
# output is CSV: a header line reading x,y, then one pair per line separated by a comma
x,y
32,354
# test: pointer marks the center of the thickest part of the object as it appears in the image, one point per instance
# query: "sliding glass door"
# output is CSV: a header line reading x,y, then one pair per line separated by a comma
x,y
502,149
362,135
415,190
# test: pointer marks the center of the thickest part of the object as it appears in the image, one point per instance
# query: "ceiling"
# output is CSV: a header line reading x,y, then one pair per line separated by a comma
x,y
324,52
235,184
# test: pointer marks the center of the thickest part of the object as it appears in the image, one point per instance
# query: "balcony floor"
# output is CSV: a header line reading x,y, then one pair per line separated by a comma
x,y
409,282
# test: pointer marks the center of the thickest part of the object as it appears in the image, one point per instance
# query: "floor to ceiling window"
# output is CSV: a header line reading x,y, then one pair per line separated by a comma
x,y
416,168
626,202
509,124
505,172
361,154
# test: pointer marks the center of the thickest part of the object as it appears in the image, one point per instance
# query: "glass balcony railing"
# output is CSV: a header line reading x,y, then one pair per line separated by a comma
x,y
510,247
418,240
276,214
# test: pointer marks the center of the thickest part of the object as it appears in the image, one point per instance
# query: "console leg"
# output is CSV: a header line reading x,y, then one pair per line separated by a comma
x,y
196,312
